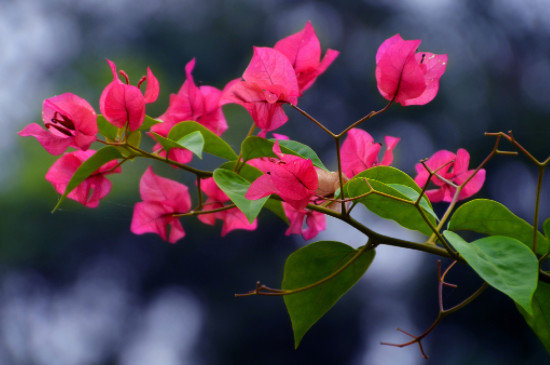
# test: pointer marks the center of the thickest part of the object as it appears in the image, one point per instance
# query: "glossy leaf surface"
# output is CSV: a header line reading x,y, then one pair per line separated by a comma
x,y
503,262
492,218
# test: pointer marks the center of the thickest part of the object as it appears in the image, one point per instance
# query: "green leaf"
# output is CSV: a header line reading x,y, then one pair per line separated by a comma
x,y
166,143
134,138
212,143
107,129
88,167
390,175
403,213
276,206
254,147
236,187
250,173
398,180
311,264
539,320
148,122
546,228
413,196
492,218
503,262
194,142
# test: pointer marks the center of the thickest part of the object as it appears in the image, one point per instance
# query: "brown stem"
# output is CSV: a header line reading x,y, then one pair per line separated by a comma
x,y
200,212
442,312
537,207
308,116
263,290
365,118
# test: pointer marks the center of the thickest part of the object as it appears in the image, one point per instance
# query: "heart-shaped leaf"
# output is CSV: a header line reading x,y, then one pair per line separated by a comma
x,y
315,262
504,263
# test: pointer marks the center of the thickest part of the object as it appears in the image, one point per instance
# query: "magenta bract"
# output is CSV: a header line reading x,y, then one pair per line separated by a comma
x,y
162,198
232,218
269,82
292,178
407,77
198,103
91,190
303,50
455,170
69,121
359,152
315,221
121,103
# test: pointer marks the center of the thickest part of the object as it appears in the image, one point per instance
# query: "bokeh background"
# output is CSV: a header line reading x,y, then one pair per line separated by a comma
x,y
76,287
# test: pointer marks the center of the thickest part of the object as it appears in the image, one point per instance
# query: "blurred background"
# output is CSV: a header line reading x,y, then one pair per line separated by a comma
x,y
76,287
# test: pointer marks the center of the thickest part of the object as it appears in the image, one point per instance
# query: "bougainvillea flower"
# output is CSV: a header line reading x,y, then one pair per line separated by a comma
x,y
303,50
269,82
122,103
91,190
162,198
192,102
232,218
198,103
407,77
69,121
455,170
292,178
359,152
315,222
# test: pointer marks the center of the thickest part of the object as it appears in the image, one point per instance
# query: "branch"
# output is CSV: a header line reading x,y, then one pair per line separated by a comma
x,y
442,312
265,290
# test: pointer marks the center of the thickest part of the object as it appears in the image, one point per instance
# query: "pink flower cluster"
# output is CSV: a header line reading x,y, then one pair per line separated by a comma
x,y
275,76
278,75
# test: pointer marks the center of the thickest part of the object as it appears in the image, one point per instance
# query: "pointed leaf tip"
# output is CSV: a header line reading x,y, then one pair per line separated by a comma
x,y
313,263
